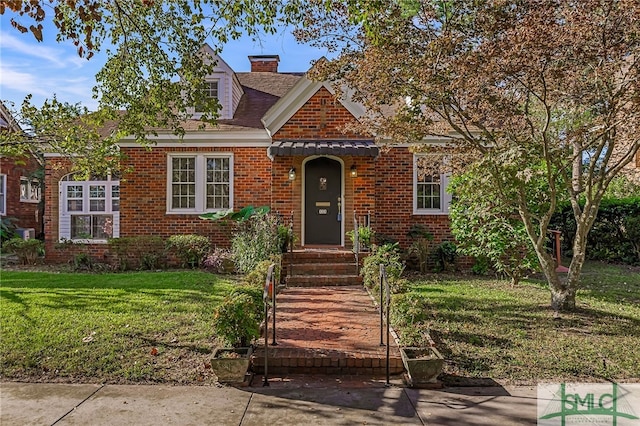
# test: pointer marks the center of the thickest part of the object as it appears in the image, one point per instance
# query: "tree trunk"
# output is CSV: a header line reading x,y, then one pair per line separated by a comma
x,y
563,298
563,293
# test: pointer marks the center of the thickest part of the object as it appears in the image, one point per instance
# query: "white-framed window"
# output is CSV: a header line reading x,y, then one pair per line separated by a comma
x,y
198,183
89,210
30,191
210,91
430,194
3,195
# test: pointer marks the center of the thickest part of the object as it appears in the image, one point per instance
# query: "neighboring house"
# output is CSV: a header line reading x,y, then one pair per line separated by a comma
x,y
20,188
280,141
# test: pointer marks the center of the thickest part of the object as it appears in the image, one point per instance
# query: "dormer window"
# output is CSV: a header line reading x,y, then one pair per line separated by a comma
x,y
210,91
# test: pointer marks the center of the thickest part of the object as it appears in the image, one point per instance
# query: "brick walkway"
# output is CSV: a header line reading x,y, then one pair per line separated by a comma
x,y
328,330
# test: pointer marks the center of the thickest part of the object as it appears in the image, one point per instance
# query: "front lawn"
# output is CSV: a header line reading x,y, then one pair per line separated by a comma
x,y
133,327
486,328
156,327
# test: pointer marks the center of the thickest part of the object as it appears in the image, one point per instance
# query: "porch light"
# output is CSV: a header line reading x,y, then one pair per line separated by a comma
x,y
292,173
354,171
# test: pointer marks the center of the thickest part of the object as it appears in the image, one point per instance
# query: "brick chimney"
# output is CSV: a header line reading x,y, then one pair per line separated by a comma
x,y
264,63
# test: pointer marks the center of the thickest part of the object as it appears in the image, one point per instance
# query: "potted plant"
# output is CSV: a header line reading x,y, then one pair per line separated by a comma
x,y
423,364
285,238
365,236
236,323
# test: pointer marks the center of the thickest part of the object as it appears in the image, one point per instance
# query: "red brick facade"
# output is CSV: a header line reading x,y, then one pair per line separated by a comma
x,y
27,214
143,193
394,200
383,186
321,117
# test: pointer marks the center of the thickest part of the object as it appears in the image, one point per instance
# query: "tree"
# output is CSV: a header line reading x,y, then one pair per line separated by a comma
x,y
68,130
545,94
154,68
540,91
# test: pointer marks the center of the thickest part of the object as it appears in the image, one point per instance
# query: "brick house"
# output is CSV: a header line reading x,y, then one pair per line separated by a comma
x,y
280,141
20,186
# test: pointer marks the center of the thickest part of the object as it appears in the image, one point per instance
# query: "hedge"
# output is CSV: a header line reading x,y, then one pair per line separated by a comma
x,y
615,236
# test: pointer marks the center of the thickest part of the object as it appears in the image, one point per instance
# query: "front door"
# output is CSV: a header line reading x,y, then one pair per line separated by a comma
x,y
323,201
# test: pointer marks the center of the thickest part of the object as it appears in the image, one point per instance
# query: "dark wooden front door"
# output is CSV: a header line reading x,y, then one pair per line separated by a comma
x,y
323,201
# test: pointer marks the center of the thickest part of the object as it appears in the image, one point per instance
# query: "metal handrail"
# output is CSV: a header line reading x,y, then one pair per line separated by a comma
x,y
384,288
290,270
269,292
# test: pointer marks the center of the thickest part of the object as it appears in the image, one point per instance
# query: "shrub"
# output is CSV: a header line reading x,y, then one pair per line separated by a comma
x,y
152,251
235,322
82,262
446,254
257,277
217,260
365,236
421,245
490,231
632,230
410,314
286,238
120,248
147,251
255,240
387,255
609,239
26,250
256,295
480,266
190,249
7,228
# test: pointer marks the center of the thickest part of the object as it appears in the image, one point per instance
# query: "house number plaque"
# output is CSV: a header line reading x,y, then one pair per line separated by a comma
x,y
322,211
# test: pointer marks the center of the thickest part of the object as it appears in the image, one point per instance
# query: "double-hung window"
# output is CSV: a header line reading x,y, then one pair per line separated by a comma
x,y
430,194
89,210
29,190
209,91
199,183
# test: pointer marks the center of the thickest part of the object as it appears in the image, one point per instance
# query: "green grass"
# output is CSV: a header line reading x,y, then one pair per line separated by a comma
x,y
74,327
104,327
486,328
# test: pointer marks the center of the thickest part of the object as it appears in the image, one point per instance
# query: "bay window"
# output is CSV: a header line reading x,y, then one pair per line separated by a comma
x,y
89,210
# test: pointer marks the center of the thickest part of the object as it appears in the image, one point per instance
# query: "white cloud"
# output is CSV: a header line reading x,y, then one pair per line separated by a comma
x,y
20,81
51,54
17,84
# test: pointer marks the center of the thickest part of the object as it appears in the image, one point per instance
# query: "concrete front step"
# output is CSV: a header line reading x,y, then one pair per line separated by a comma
x,y
323,280
324,362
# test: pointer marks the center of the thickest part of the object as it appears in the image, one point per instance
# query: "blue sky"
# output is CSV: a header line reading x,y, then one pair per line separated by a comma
x,y
44,69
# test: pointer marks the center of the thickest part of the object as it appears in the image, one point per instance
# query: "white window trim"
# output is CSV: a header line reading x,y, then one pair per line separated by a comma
x,y
29,183
3,195
201,177
445,197
65,214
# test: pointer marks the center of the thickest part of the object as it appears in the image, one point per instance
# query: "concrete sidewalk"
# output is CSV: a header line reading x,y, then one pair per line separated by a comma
x,y
297,400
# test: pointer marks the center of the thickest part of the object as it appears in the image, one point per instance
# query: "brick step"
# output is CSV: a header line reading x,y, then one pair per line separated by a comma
x,y
324,362
323,280
312,256
324,268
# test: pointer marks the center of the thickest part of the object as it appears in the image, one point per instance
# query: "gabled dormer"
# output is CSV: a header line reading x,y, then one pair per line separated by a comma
x,y
222,84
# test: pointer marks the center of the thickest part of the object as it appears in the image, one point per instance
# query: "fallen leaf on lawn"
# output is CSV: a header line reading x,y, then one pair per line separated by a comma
x,y
154,351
